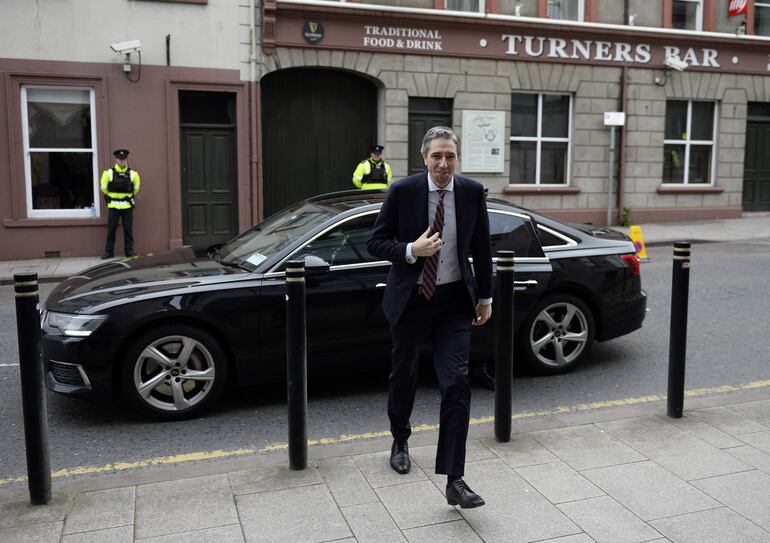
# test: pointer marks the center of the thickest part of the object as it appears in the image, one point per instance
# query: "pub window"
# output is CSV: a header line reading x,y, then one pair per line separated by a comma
x,y
540,138
476,6
568,10
688,145
687,14
762,18
59,131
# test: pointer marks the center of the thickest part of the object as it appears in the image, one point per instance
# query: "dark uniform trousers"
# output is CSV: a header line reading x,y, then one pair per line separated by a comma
x,y
446,321
127,217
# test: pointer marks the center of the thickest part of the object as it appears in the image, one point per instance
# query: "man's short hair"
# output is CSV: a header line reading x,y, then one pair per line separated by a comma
x,y
439,132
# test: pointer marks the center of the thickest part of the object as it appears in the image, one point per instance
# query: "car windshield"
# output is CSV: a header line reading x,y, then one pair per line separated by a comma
x,y
273,235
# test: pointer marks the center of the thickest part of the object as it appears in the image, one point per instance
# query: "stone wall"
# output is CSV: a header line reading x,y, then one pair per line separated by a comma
x,y
488,84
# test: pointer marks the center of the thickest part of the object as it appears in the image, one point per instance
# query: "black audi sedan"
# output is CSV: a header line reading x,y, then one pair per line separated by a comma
x,y
170,331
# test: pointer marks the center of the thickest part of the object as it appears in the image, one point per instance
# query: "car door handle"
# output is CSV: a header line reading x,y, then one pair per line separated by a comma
x,y
380,285
527,283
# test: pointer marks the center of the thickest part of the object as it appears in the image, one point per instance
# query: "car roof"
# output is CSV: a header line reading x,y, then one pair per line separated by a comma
x,y
353,199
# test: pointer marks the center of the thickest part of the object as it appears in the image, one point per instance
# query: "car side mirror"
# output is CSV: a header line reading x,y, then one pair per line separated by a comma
x,y
315,265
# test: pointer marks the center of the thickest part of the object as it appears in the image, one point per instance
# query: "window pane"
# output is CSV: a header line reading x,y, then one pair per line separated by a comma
x,y
762,20
702,122
563,9
62,180
555,116
524,115
59,118
510,233
684,15
462,5
345,244
523,158
673,163
700,164
676,120
553,163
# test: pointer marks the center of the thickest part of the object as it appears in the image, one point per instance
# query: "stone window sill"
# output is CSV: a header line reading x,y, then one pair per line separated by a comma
x,y
32,223
689,189
540,189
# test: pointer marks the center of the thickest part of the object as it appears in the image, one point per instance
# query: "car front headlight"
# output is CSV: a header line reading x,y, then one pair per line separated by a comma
x,y
72,325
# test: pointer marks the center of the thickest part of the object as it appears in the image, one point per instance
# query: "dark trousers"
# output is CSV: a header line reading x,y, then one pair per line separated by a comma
x,y
445,321
127,217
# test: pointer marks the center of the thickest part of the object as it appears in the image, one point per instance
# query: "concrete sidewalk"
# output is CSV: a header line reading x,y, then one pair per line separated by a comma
x,y
750,227
609,475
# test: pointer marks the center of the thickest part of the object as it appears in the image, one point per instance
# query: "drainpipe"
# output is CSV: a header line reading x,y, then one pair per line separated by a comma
x,y
253,140
622,150
626,11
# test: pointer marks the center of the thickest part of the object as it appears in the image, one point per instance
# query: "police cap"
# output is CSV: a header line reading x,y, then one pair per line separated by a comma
x,y
376,148
120,153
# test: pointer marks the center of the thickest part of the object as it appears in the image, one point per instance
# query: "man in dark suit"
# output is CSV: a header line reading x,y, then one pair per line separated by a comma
x,y
432,291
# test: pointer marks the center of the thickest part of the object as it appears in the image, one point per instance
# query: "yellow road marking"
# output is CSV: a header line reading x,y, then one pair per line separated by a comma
x,y
346,438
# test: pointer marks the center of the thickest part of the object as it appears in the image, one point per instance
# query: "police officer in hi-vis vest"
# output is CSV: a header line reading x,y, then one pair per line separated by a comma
x,y
120,184
374,172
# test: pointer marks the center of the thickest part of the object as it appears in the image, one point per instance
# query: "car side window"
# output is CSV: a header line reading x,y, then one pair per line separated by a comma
x,y
513,233
344,244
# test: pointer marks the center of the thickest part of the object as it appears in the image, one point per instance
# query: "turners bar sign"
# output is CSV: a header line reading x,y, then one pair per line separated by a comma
x,y
538,46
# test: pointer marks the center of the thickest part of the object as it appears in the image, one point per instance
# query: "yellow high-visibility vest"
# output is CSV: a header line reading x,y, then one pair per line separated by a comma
x,y
119,200
372,175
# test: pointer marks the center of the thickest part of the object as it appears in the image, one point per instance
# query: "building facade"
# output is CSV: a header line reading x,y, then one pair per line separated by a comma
x,y
243,107
185,109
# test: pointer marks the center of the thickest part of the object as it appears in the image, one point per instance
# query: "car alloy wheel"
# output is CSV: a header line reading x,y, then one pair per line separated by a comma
x,y
559,334
175,372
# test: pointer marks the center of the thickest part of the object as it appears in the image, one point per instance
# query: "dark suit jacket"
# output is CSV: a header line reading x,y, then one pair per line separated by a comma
x,y
404,216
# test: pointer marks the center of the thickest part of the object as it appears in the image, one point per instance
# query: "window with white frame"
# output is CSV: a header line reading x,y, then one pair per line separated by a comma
x,y
476,6
568,10
688,147
762,18
540,138
687,14
59,130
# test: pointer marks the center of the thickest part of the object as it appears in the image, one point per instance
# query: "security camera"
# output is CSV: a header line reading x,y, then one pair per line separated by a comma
x,y
675,64
126,46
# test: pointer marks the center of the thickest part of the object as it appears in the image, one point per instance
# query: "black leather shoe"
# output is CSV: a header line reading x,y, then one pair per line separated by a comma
x,y
399,457
484,380
105,256
458,493
129,254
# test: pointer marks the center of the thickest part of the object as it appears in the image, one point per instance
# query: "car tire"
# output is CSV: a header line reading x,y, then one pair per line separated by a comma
x,y
557,334
174,372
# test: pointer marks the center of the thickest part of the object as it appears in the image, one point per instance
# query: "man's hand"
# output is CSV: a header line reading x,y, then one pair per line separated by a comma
x,y
483,312
426,245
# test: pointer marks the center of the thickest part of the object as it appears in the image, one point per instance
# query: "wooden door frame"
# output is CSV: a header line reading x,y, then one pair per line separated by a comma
x,y
245,188
763,121
231,129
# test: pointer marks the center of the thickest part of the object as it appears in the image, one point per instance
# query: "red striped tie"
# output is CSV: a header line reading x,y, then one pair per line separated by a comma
x,y
431,264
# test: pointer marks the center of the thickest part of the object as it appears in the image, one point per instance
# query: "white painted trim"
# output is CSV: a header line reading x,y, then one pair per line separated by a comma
x,y
58,213
688,142
539,139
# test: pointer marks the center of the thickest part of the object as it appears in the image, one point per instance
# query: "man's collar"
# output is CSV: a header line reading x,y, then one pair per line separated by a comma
x,y
121,168
433,187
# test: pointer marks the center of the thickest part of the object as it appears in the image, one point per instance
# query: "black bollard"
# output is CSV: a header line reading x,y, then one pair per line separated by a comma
x,y
32,388
296,363
677,347
504,345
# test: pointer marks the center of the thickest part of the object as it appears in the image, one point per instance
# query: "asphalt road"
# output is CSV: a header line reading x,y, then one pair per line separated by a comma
x,y
727,345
